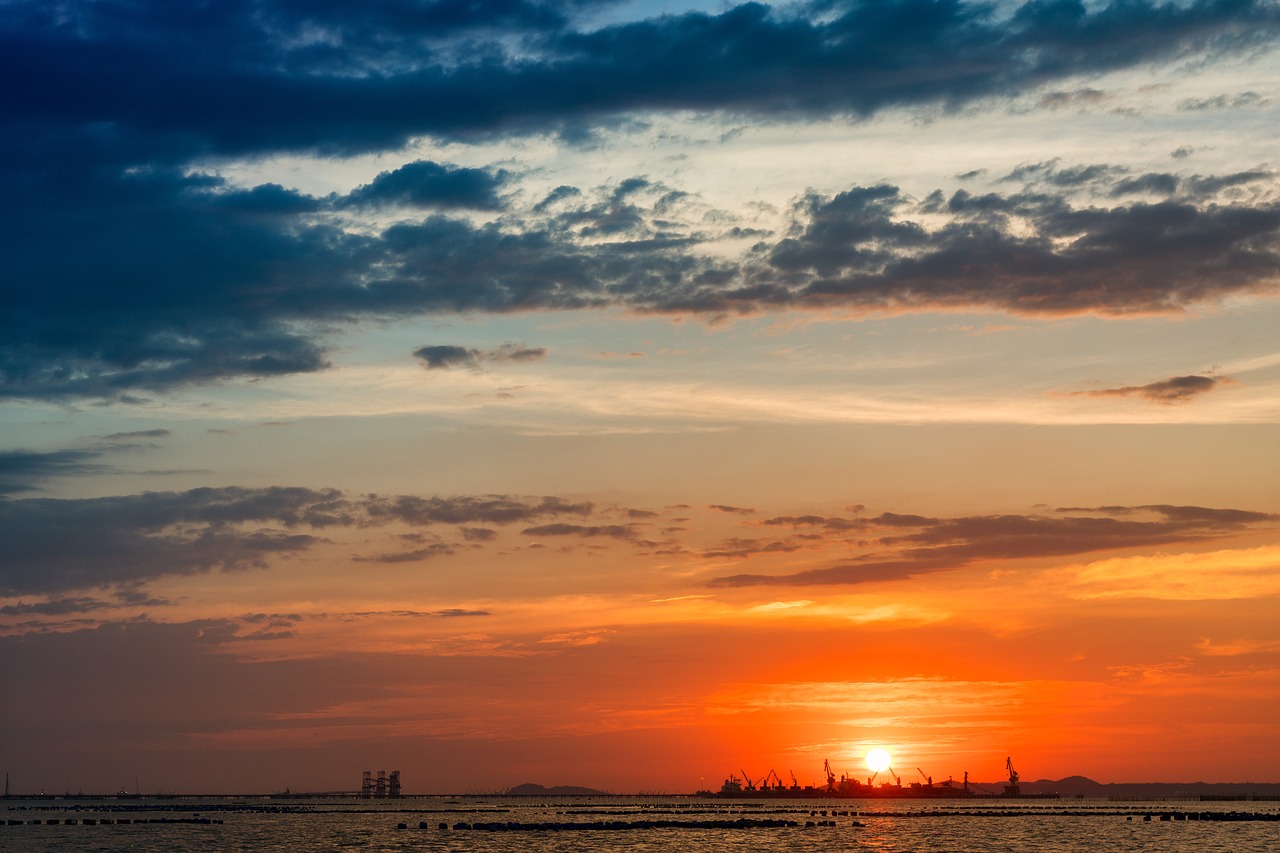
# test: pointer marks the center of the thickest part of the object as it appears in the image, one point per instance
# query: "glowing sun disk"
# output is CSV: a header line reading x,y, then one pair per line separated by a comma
x,y
878,760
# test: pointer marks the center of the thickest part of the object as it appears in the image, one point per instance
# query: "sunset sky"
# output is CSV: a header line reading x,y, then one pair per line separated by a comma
x,y
627,394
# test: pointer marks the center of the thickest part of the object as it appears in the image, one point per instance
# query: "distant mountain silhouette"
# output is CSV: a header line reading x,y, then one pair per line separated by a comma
x,y
529,789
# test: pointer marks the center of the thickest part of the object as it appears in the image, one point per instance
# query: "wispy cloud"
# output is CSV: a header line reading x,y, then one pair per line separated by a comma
x,y
25,470
443,356
54,545
908,546
1177,389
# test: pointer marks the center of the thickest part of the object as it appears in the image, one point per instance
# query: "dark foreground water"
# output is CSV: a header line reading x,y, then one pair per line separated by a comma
x,y
635,824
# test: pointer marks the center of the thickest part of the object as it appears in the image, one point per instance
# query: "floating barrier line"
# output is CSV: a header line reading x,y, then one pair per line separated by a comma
x,y
626,825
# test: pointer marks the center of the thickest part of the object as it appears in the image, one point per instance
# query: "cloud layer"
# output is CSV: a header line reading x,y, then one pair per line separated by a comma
x,y
338,79
161,280
135,269
56,547
901,546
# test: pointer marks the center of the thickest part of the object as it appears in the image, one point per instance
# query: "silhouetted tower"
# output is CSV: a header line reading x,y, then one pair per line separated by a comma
x,y
1012,789
380,787
393,785
366,784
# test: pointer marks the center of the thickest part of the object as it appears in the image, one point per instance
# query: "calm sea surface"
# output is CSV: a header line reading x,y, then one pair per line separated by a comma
x,y
635,823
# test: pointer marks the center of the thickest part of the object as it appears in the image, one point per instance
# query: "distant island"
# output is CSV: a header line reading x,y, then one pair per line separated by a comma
x,y
529,789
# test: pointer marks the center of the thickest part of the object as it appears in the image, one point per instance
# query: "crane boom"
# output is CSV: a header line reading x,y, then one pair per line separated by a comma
x,y
1012,789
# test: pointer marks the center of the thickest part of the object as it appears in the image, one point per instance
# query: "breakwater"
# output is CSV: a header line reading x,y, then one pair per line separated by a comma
x,y
621,825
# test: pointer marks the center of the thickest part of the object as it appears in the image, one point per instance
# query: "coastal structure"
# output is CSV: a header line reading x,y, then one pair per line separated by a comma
x,y
381,787
847,786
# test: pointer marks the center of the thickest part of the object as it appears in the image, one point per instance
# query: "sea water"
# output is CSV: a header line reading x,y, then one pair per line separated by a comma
x,y
177,825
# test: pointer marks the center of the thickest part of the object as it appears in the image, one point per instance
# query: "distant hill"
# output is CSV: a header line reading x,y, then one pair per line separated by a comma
x,y
529,789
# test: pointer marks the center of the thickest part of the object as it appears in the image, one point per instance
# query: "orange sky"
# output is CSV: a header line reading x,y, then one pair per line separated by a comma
x,y
589,654
511,394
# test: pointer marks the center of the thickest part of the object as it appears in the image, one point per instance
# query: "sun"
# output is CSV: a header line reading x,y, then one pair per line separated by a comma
x,y
878,760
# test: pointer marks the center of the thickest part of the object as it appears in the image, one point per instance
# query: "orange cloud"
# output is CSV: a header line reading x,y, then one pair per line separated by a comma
x,y
1216,575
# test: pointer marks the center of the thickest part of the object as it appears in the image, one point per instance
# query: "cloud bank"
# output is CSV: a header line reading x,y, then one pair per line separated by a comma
x,y
136,268
54,545
901,547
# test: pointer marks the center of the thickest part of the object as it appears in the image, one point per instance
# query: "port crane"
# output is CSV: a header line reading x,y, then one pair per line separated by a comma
x,y
795,783
831,777
1012,788
928,780
776,783
750,786
896,778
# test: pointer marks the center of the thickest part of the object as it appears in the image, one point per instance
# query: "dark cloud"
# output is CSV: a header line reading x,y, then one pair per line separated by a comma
x,y
1207,185
240,77
442,356
826,522
410,614
57,607
1130,259
52,546
24,470
134,270
272,619
121,306
427,184
743,548
1226,519
1177,389
1085,97
869,572
469,509
1223,102
731,510
142,433
435,549
1160,183
612,531
927,545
